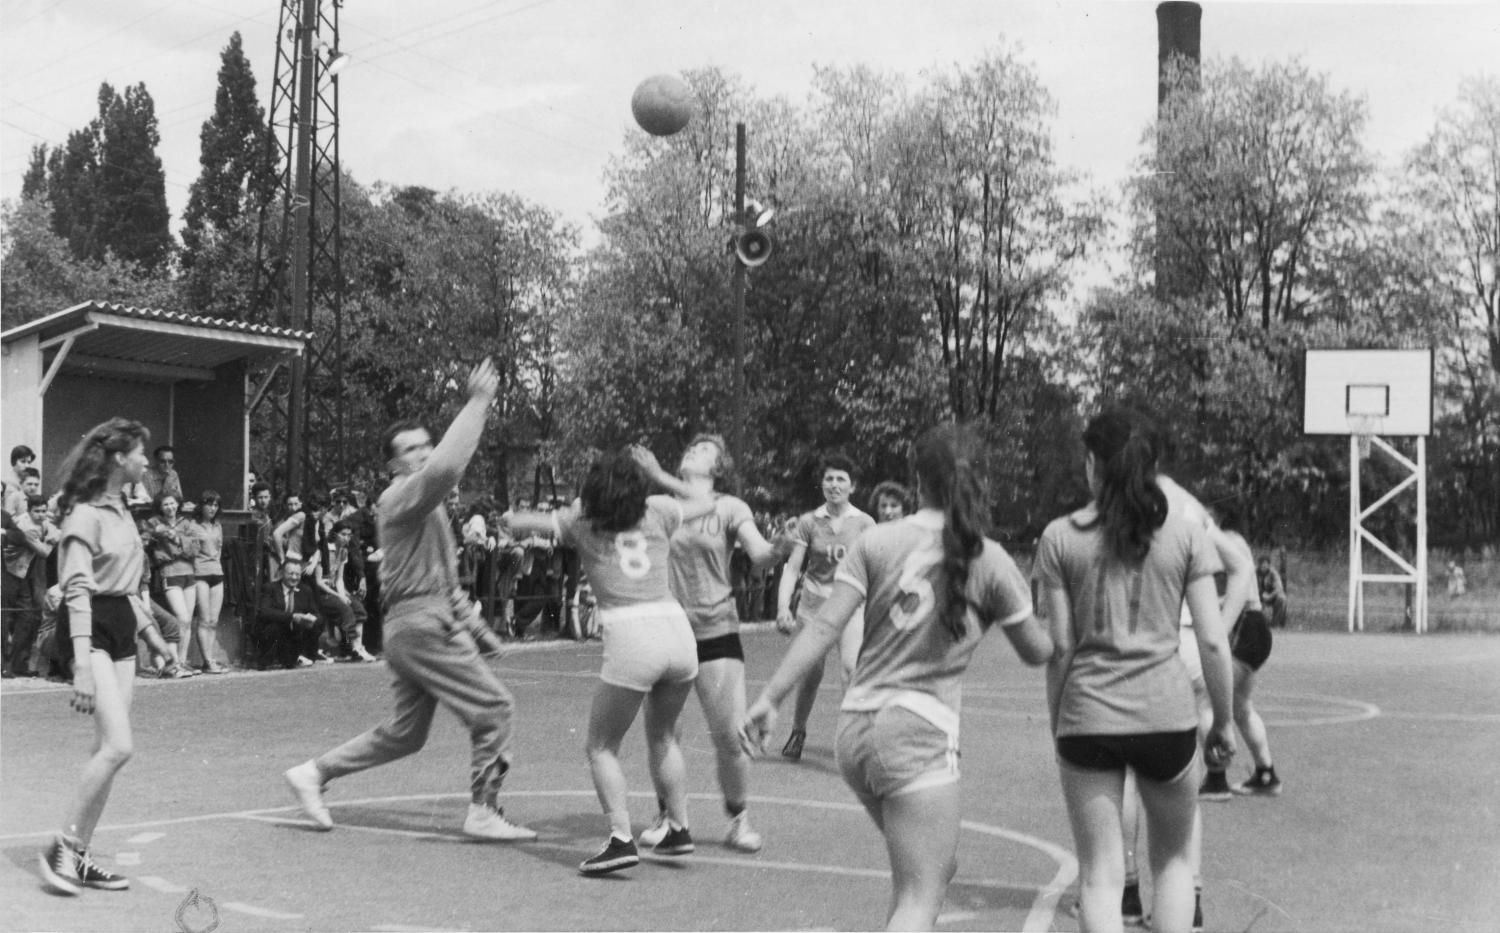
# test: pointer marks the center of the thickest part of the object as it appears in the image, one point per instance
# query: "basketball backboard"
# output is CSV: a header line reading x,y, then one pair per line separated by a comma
x,y
1383,392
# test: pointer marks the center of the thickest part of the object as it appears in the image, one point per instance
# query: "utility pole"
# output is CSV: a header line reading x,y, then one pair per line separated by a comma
x,y
737,324
301,311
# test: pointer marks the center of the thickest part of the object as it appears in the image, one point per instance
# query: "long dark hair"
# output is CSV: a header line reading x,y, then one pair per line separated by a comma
x,y
85,471
946,461
209,498
614,492
1131,504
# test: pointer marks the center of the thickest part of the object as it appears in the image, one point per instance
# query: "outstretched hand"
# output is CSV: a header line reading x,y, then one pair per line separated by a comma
x,y
760,719
484,380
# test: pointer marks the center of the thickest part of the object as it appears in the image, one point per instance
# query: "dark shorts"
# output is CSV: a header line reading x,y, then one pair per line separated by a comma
x,y
212,579
1157,756
114,628
179,581
1250,639
725,646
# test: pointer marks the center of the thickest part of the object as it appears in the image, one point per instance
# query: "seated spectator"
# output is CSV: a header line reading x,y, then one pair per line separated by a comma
x,y
342,592
288,620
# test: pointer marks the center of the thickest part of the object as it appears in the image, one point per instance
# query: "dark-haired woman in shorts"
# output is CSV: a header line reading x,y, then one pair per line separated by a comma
x,y
1113,577
102,566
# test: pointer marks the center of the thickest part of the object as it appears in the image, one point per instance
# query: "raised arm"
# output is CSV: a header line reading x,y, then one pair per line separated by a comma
x,y
451,456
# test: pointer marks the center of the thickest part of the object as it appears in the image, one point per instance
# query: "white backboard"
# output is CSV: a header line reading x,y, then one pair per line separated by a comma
x,y
1389,389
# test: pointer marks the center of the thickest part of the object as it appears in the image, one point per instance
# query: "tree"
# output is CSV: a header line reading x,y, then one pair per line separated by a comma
x,y
132,213
1449,207
107,187
1255,184
235,179
39,275
994,236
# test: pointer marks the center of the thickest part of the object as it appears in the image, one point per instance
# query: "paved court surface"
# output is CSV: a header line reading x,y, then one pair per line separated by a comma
x,y
1389,746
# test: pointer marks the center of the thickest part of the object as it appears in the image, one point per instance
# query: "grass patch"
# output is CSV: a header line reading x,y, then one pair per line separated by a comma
x,y
1317,584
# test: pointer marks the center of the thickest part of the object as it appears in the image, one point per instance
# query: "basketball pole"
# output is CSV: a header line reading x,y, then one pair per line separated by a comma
x,y
737,326
1356,544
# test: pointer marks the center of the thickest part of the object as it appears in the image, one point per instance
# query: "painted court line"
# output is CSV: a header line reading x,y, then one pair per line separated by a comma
x,y
253,911
1039,918
140,839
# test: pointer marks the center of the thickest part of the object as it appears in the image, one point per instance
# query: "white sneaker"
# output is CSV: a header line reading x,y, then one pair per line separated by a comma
x,y
487,822
651,838
741,836
307,787
362,654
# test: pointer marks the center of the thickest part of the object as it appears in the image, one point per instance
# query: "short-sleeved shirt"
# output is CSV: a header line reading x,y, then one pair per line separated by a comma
x,y
700,567
909,657
1125,676
625,568
100,554
827,539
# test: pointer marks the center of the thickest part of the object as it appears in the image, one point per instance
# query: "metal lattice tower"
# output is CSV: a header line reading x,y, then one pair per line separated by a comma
x,y
299,248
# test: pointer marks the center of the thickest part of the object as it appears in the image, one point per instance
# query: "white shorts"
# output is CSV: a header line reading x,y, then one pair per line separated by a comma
x,y
646,644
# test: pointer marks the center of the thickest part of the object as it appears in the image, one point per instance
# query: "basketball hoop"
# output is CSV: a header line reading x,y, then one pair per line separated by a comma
x,y
1362,428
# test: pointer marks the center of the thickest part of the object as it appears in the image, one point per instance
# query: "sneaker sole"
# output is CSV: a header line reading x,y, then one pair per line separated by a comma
x,y
614,864
743,846
1217,796
508,837
674,850
1258,791
56,883
307,811
121,884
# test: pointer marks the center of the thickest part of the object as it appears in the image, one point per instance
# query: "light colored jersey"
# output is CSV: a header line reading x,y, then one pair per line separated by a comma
x,y
701,550
101,555
1125,676
909,658
624,568
827,540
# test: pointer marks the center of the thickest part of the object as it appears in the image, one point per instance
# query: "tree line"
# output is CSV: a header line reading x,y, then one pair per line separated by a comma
x,y
930,248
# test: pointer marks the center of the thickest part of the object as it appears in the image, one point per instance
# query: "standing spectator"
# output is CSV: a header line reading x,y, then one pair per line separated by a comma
x,y
1272,592
1457,585
171,546
22,458
31,485
265,549
25,585
162,476
208,581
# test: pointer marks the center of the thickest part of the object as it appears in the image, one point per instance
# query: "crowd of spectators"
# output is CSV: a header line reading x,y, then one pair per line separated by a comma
x,y
301,575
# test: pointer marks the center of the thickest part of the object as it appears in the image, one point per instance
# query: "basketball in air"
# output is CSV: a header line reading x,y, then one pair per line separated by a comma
x,y
663,104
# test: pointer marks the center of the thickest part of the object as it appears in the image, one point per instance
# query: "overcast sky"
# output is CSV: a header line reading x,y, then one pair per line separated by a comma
x,y
532,96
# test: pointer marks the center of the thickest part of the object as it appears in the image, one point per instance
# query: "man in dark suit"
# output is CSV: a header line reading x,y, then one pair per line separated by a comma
x,y
288,618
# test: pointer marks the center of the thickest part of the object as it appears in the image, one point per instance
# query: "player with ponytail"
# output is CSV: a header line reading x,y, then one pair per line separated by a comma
x,y
1112,579
932,584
